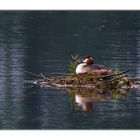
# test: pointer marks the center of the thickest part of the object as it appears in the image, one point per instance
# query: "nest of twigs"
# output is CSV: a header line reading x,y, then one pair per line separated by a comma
x,y
86,80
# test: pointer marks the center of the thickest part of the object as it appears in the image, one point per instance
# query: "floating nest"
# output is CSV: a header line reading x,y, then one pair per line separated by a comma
x,y
87,80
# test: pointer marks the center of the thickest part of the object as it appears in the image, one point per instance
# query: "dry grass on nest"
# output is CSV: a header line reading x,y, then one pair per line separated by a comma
x,y
88,79
81,79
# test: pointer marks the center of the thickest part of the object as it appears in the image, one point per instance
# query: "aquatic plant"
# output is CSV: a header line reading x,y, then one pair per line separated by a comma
x,y
73,63
117,70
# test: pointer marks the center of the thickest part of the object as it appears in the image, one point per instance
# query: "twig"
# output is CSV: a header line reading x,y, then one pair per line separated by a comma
x,y
111,75
43,76
58,73
34,74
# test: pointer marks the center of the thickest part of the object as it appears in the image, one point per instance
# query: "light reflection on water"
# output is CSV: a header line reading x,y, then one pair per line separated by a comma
x,y
42,42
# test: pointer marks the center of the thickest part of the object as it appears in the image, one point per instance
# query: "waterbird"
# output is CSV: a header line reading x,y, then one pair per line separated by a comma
x,y
87,66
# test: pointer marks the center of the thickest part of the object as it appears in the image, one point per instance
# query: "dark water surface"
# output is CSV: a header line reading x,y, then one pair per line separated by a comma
x,y
42,42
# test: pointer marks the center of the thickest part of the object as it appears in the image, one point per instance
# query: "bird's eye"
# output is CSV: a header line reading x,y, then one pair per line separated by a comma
x,y
85,60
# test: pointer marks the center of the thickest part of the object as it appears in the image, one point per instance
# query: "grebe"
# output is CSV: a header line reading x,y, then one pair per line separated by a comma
x,y
87,66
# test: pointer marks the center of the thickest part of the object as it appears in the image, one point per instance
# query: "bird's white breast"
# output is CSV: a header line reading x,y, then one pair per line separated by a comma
x,y
80,68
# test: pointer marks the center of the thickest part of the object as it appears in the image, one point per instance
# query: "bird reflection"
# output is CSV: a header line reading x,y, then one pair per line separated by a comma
x,y
84,103
84,98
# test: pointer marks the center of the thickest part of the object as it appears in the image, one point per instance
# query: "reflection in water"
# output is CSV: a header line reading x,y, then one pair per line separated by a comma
x,y
84,98
84,103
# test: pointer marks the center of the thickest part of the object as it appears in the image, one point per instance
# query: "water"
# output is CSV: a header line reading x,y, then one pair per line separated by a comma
x,y
42,42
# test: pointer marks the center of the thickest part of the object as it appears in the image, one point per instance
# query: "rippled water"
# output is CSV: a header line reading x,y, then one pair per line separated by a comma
x,y
42,42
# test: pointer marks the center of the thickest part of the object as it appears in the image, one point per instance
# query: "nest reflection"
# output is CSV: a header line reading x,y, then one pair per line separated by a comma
x,y
84,98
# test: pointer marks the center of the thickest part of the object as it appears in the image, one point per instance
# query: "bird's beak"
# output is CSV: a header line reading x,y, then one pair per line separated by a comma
x,y
79,61
84,60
